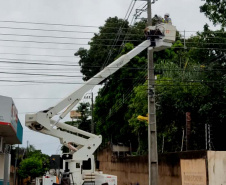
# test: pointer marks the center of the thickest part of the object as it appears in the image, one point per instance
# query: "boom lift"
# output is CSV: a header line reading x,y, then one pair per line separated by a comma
x,y
82,144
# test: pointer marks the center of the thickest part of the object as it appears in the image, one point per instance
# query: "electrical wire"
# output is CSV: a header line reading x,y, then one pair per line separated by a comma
x,y
74,65
47,30
58,24
82,26
45,48
38,61
57,37
85,38
127,94
83,44
25,54
119,33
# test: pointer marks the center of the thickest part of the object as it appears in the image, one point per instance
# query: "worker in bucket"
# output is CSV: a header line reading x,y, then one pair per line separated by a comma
x,y
152,35
167,19
158,19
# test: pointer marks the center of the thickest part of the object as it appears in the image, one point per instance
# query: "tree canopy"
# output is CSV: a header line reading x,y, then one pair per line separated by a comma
x,y
190,78
215,10
34,165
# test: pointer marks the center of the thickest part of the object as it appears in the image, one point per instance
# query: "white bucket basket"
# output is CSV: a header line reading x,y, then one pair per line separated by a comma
x,y
169,32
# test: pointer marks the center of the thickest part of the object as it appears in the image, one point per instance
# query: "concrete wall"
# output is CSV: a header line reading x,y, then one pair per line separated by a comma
x,y
217,167
169,169
129,170
134,170
193,171
181,168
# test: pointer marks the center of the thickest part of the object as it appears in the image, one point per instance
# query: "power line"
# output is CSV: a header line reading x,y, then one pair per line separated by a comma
x,y
38,98
41,42
78,76
70,49
50,64
45,48
119,33
85,38
17,61
48,61
47,30
59,75
43,82
52,24
61,70
57,37
39,74
68,43
25,54
37,63
58,30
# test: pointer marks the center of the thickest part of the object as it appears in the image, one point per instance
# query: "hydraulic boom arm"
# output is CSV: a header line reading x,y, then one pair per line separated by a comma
x,y
42,121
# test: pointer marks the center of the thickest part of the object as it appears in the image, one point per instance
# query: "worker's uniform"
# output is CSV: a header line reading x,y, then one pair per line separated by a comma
x,y
167,20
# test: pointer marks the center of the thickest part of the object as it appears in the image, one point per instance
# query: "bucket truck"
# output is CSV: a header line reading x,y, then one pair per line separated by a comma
x,y
82,144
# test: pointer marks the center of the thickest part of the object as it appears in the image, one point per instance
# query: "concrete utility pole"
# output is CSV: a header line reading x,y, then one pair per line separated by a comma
x,y
92,121
152,131
91,108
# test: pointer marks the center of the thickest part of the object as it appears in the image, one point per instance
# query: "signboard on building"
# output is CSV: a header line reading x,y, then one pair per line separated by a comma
x,y
75,115
193,171
10,126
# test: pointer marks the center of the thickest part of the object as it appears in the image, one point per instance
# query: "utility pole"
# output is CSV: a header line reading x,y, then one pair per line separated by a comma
x,y
92,122
152,130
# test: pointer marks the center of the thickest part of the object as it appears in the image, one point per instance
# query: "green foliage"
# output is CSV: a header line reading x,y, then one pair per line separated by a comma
x,y
215,10
36,164
174,99
191,78
84,123
138,106
93,59
213,60
211,44
31,167
113,98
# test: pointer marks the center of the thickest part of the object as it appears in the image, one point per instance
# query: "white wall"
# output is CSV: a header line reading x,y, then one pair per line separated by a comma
x,y
217,167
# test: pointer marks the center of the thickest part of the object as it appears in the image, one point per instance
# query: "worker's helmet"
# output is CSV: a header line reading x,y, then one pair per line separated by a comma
x,y
167,14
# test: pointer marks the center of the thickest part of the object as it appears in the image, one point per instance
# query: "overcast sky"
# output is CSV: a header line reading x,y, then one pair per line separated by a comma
x,y
32,97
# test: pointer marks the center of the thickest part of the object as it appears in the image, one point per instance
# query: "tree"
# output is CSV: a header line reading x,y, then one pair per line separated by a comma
x,y
212,58
215,10
84,122
177,92
92,60
35,165
191,80
138,106
112,100
32,167
184,85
